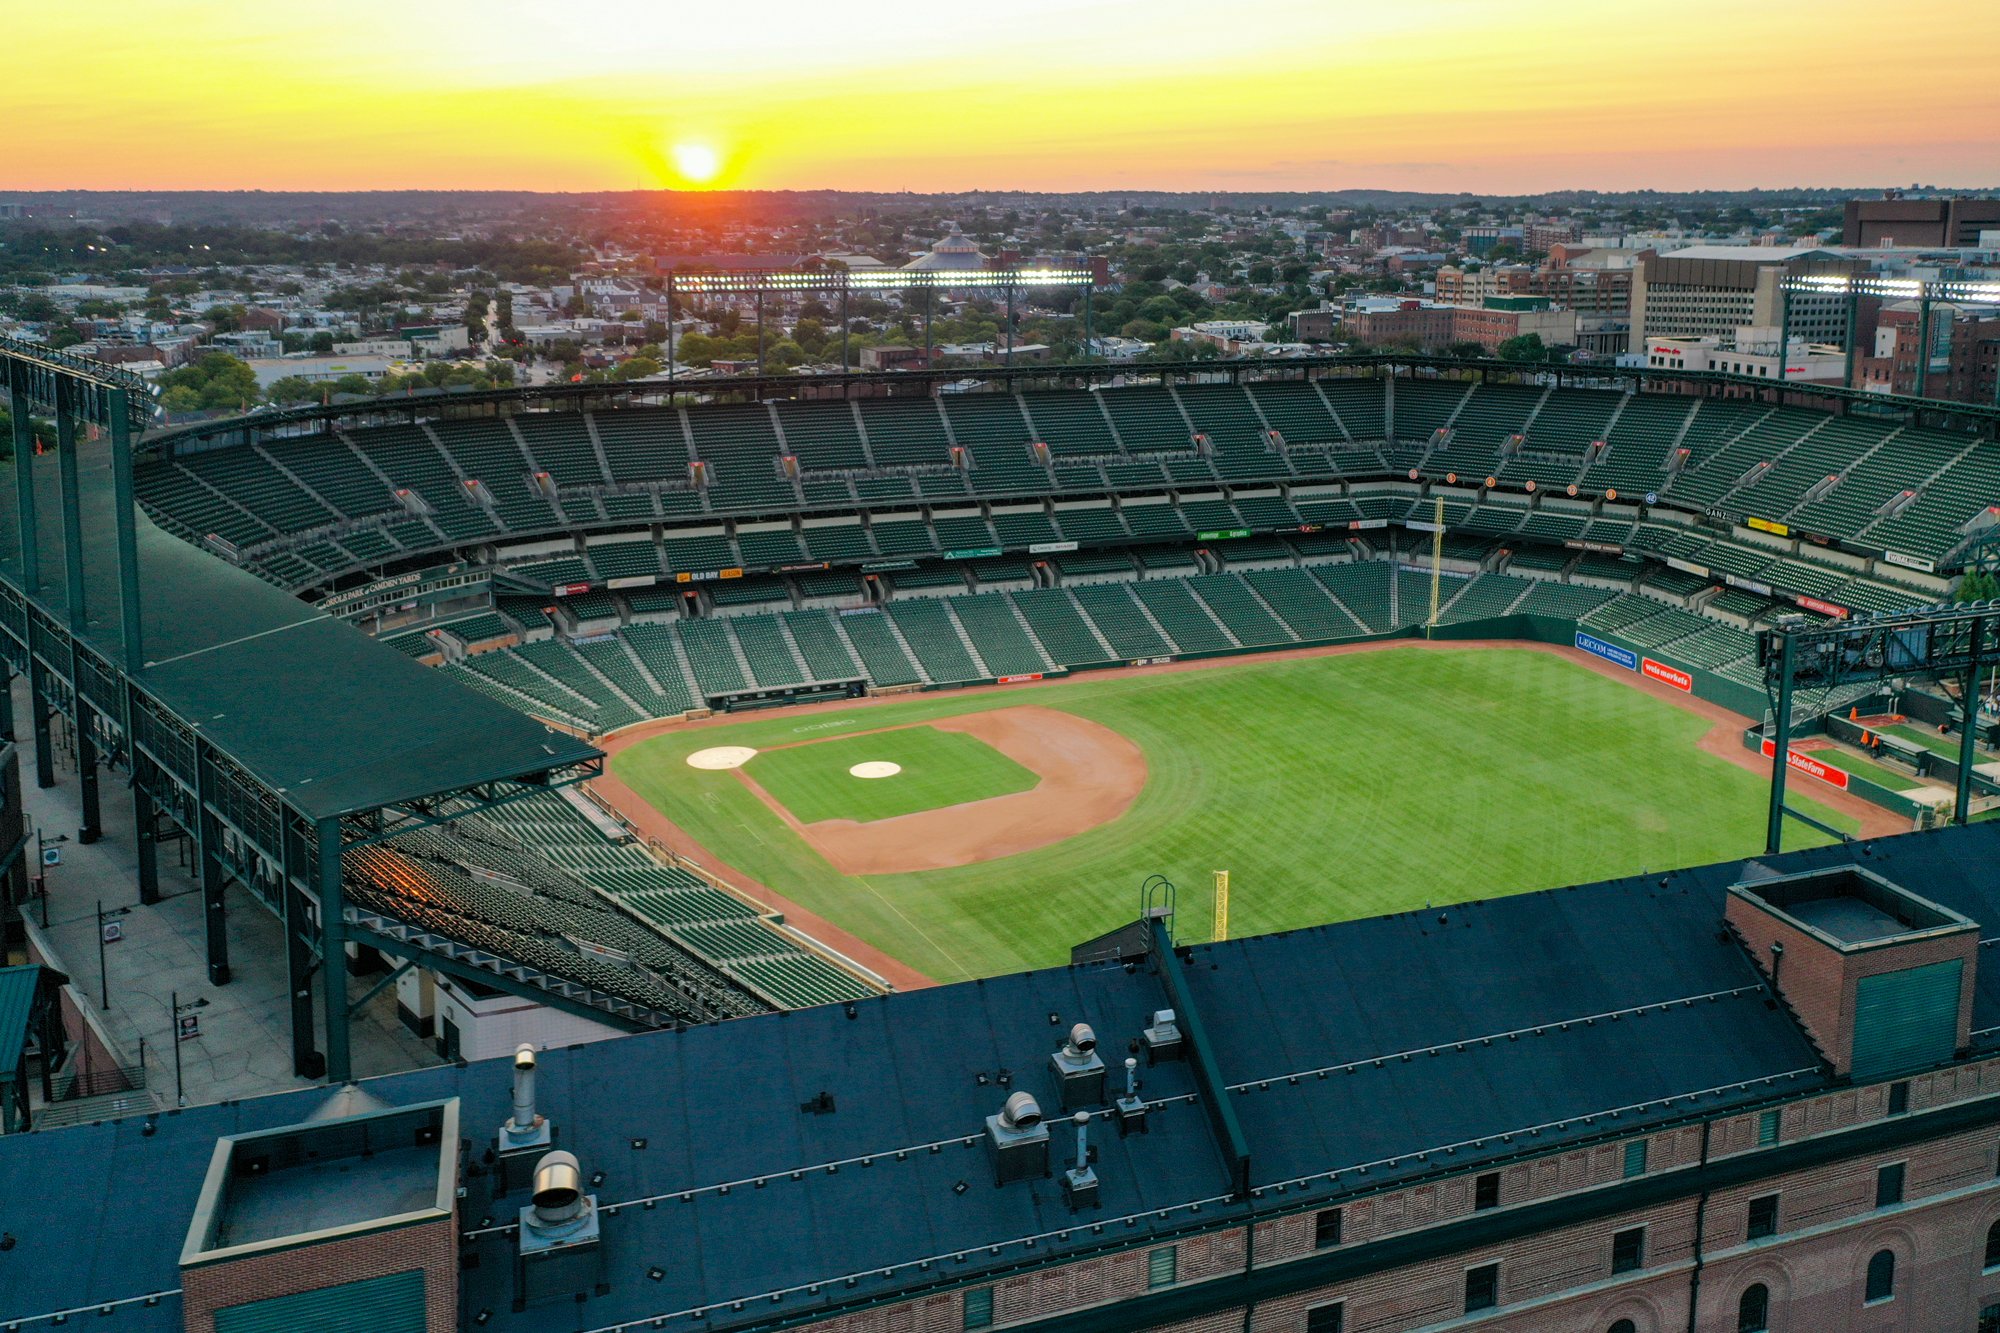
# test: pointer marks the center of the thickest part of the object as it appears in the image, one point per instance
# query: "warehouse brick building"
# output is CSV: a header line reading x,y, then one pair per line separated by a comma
x,y
1750,1096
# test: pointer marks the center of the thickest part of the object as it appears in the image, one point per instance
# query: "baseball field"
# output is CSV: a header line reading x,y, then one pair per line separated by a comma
x,y
974,832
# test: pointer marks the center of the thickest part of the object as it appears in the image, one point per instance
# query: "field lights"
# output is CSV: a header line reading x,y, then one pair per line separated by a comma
x,y
874,281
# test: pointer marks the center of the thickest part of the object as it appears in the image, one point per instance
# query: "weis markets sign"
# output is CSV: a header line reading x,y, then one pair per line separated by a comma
x,y
1610,652
1667,675
1800,762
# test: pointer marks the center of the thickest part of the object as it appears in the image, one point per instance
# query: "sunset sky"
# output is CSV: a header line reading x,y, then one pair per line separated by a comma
x,y
1035,94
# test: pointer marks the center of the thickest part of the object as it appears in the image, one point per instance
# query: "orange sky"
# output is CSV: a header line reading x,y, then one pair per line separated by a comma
x,y
1038,94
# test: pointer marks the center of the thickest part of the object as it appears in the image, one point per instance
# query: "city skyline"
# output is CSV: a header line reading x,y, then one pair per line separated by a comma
x,y
1431,95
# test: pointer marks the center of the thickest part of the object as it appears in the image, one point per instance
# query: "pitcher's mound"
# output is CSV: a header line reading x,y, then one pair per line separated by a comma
x,y
875,768
720,757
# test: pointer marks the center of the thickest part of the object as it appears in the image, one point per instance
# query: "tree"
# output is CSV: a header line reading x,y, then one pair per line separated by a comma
x,y
217,381
1978,585
294,389
1524,347
636,368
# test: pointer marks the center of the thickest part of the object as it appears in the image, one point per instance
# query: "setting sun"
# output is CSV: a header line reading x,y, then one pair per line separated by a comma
x,y
697,163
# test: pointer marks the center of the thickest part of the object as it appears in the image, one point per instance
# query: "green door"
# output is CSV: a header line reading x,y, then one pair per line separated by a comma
x,y
1905,1020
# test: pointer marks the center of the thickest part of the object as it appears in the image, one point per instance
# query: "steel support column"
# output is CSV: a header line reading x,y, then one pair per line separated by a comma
x,y
1010,323
208,867
146,840
6,701
930,297
38,716
92,827
333,950
1781,745
24,478
1086,321
1969,732
299,934
844,322
74,597
125,509
760,330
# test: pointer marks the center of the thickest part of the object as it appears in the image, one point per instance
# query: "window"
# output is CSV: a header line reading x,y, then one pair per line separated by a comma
x,y
1767,1129
1326,1229
1482,1287
1327,1318
1753,1310
1889,1185
1989,1319
1881,1277
1486,1192
1635,1158
1899,1097
1628,1250
1623,1326
1161,1267
1993,1246
1763,1217
979,1307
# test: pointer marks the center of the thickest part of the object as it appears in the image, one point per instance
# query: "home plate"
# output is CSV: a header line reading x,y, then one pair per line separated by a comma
x,y
721,757
875,768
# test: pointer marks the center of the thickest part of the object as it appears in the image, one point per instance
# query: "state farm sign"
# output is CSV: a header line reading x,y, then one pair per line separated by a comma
x,y
1801,762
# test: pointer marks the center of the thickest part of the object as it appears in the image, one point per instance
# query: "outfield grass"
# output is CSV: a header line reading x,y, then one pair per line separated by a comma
x,y
1330,788
940,768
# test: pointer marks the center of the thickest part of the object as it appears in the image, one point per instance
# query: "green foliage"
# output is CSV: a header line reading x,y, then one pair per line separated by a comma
x,y
1524,347
217,382
1978,585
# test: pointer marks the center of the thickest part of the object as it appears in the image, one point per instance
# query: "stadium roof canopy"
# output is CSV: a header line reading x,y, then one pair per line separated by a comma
x,y
323,715
773,1168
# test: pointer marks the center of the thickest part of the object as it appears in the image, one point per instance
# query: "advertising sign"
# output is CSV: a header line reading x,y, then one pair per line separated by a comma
x,y
1667,675
1610,652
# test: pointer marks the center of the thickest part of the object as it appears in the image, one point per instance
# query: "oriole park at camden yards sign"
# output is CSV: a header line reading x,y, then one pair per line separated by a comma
x,y
1807,765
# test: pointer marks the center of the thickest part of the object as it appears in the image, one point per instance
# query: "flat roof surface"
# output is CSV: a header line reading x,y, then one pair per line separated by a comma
x,y
319,711
1447,1028
1849,920
319,1196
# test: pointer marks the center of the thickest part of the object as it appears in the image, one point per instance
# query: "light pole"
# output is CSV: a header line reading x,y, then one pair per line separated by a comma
x,y
201,1001
103,939
42,864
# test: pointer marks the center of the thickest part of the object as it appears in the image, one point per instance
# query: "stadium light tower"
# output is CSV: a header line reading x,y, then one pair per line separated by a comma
x,y
789,282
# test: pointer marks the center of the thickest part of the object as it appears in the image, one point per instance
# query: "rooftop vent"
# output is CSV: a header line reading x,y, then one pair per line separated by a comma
x,y
1131,1108
1079,1069
1162,1039
1079,1184
1018,1140
526,1134
561,1255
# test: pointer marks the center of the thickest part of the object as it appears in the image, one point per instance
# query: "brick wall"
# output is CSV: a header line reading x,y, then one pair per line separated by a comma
x,y
431,1246
1818,981
1815,1266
